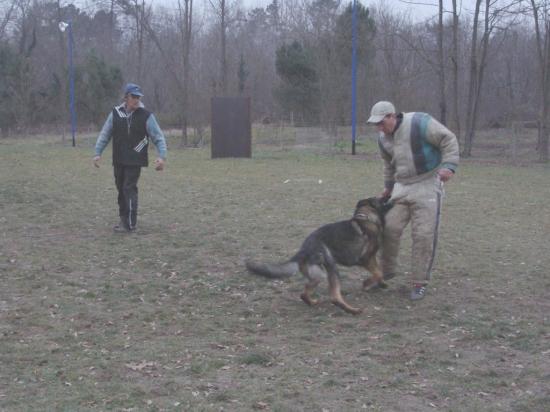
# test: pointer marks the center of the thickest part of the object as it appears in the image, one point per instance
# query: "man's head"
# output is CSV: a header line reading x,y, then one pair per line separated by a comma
x,y
384,117
132,96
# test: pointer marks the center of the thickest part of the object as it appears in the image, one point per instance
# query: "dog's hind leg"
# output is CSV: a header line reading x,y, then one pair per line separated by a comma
x,y
313,275
377,278
336,293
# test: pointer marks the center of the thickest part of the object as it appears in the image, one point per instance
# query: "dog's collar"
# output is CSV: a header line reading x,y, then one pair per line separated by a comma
x,y
359,221
361,217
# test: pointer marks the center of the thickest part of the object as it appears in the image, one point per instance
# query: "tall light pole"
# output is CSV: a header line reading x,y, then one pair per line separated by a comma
x,y
70,44
353,75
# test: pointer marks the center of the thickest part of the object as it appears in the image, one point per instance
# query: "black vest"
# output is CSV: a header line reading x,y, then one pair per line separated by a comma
x,y
130,139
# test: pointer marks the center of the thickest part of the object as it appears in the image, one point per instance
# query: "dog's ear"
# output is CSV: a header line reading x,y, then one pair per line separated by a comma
x,y
362,203
375,202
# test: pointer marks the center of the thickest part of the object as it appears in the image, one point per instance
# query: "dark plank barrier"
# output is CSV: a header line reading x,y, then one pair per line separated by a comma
x,y
231,128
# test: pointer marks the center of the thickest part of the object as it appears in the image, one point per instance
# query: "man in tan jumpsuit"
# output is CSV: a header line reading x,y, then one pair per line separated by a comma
x,y
419,154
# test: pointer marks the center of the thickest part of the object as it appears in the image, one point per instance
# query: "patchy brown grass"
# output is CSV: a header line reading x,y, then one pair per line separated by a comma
x,y
168,319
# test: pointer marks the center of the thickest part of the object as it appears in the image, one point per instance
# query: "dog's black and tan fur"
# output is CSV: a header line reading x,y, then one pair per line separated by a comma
x,y
352,242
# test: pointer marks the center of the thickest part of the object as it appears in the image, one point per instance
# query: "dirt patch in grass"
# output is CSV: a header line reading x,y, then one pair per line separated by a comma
x,y
168,319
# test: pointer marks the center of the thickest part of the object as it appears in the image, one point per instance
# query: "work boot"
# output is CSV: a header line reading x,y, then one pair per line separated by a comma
x,y
388,276
418,291
121,227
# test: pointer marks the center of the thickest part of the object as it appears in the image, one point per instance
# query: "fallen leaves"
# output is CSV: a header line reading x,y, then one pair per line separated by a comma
x,y
260,406
141,366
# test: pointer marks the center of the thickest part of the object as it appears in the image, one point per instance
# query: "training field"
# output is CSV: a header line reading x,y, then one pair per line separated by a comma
x,y
167,319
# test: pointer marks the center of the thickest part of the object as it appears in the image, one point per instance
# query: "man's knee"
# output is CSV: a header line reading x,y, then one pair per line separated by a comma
x,y
393,229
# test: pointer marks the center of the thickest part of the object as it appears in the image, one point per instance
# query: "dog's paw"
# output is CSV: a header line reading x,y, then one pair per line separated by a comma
x,y
369,283
309,300
382,285
356,311
372,283
343,305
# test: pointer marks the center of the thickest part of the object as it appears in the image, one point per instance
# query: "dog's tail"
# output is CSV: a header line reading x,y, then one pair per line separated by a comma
x,y
273,270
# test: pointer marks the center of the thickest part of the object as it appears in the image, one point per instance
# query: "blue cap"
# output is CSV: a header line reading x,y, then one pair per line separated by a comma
x,y
132,88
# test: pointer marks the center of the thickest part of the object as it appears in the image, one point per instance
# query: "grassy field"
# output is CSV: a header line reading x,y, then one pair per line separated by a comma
x,y
168,319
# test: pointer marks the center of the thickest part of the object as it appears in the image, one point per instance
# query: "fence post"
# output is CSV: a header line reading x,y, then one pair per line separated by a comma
x,y
515,132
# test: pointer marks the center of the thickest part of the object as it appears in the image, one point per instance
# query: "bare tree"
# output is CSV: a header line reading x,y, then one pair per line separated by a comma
x,y
140,12
9,10
186,31
441,66
322,20
256,39
430,46
63,66
493,17
220,8
393,32
168,58
418,63
26,44
541,16
455,71
478,54
112,21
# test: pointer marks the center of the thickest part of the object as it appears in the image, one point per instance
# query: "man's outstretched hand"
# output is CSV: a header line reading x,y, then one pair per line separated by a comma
x,y
159,164
445,174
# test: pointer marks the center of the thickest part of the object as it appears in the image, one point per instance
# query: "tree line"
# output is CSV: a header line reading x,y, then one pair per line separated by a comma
x,y
488,65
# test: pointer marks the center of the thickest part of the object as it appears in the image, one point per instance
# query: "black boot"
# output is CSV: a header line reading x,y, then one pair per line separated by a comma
x,y
121,227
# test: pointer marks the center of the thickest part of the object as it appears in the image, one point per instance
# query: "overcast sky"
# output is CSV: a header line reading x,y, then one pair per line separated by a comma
x,y
417,8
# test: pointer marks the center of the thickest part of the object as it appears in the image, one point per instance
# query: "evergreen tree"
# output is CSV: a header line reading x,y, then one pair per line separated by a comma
x,y
366,31
99,87
9,67
298,92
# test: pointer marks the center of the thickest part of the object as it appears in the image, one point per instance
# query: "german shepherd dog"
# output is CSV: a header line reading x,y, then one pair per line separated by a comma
x,y
352,242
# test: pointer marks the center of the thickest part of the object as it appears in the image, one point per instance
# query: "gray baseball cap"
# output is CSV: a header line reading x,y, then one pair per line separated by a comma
x,y
379,111
132,88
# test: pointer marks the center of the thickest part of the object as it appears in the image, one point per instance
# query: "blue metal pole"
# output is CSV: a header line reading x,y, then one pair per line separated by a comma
x,y
353,76
71,82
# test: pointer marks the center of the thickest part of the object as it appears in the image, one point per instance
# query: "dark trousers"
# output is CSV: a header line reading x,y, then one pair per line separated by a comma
x,y
126,178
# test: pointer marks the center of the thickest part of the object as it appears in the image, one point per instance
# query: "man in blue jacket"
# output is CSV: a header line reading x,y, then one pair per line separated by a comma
x,y
131,127
419,154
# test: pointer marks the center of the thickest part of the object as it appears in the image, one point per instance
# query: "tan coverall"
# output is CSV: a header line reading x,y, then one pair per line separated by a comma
x,y
417,149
